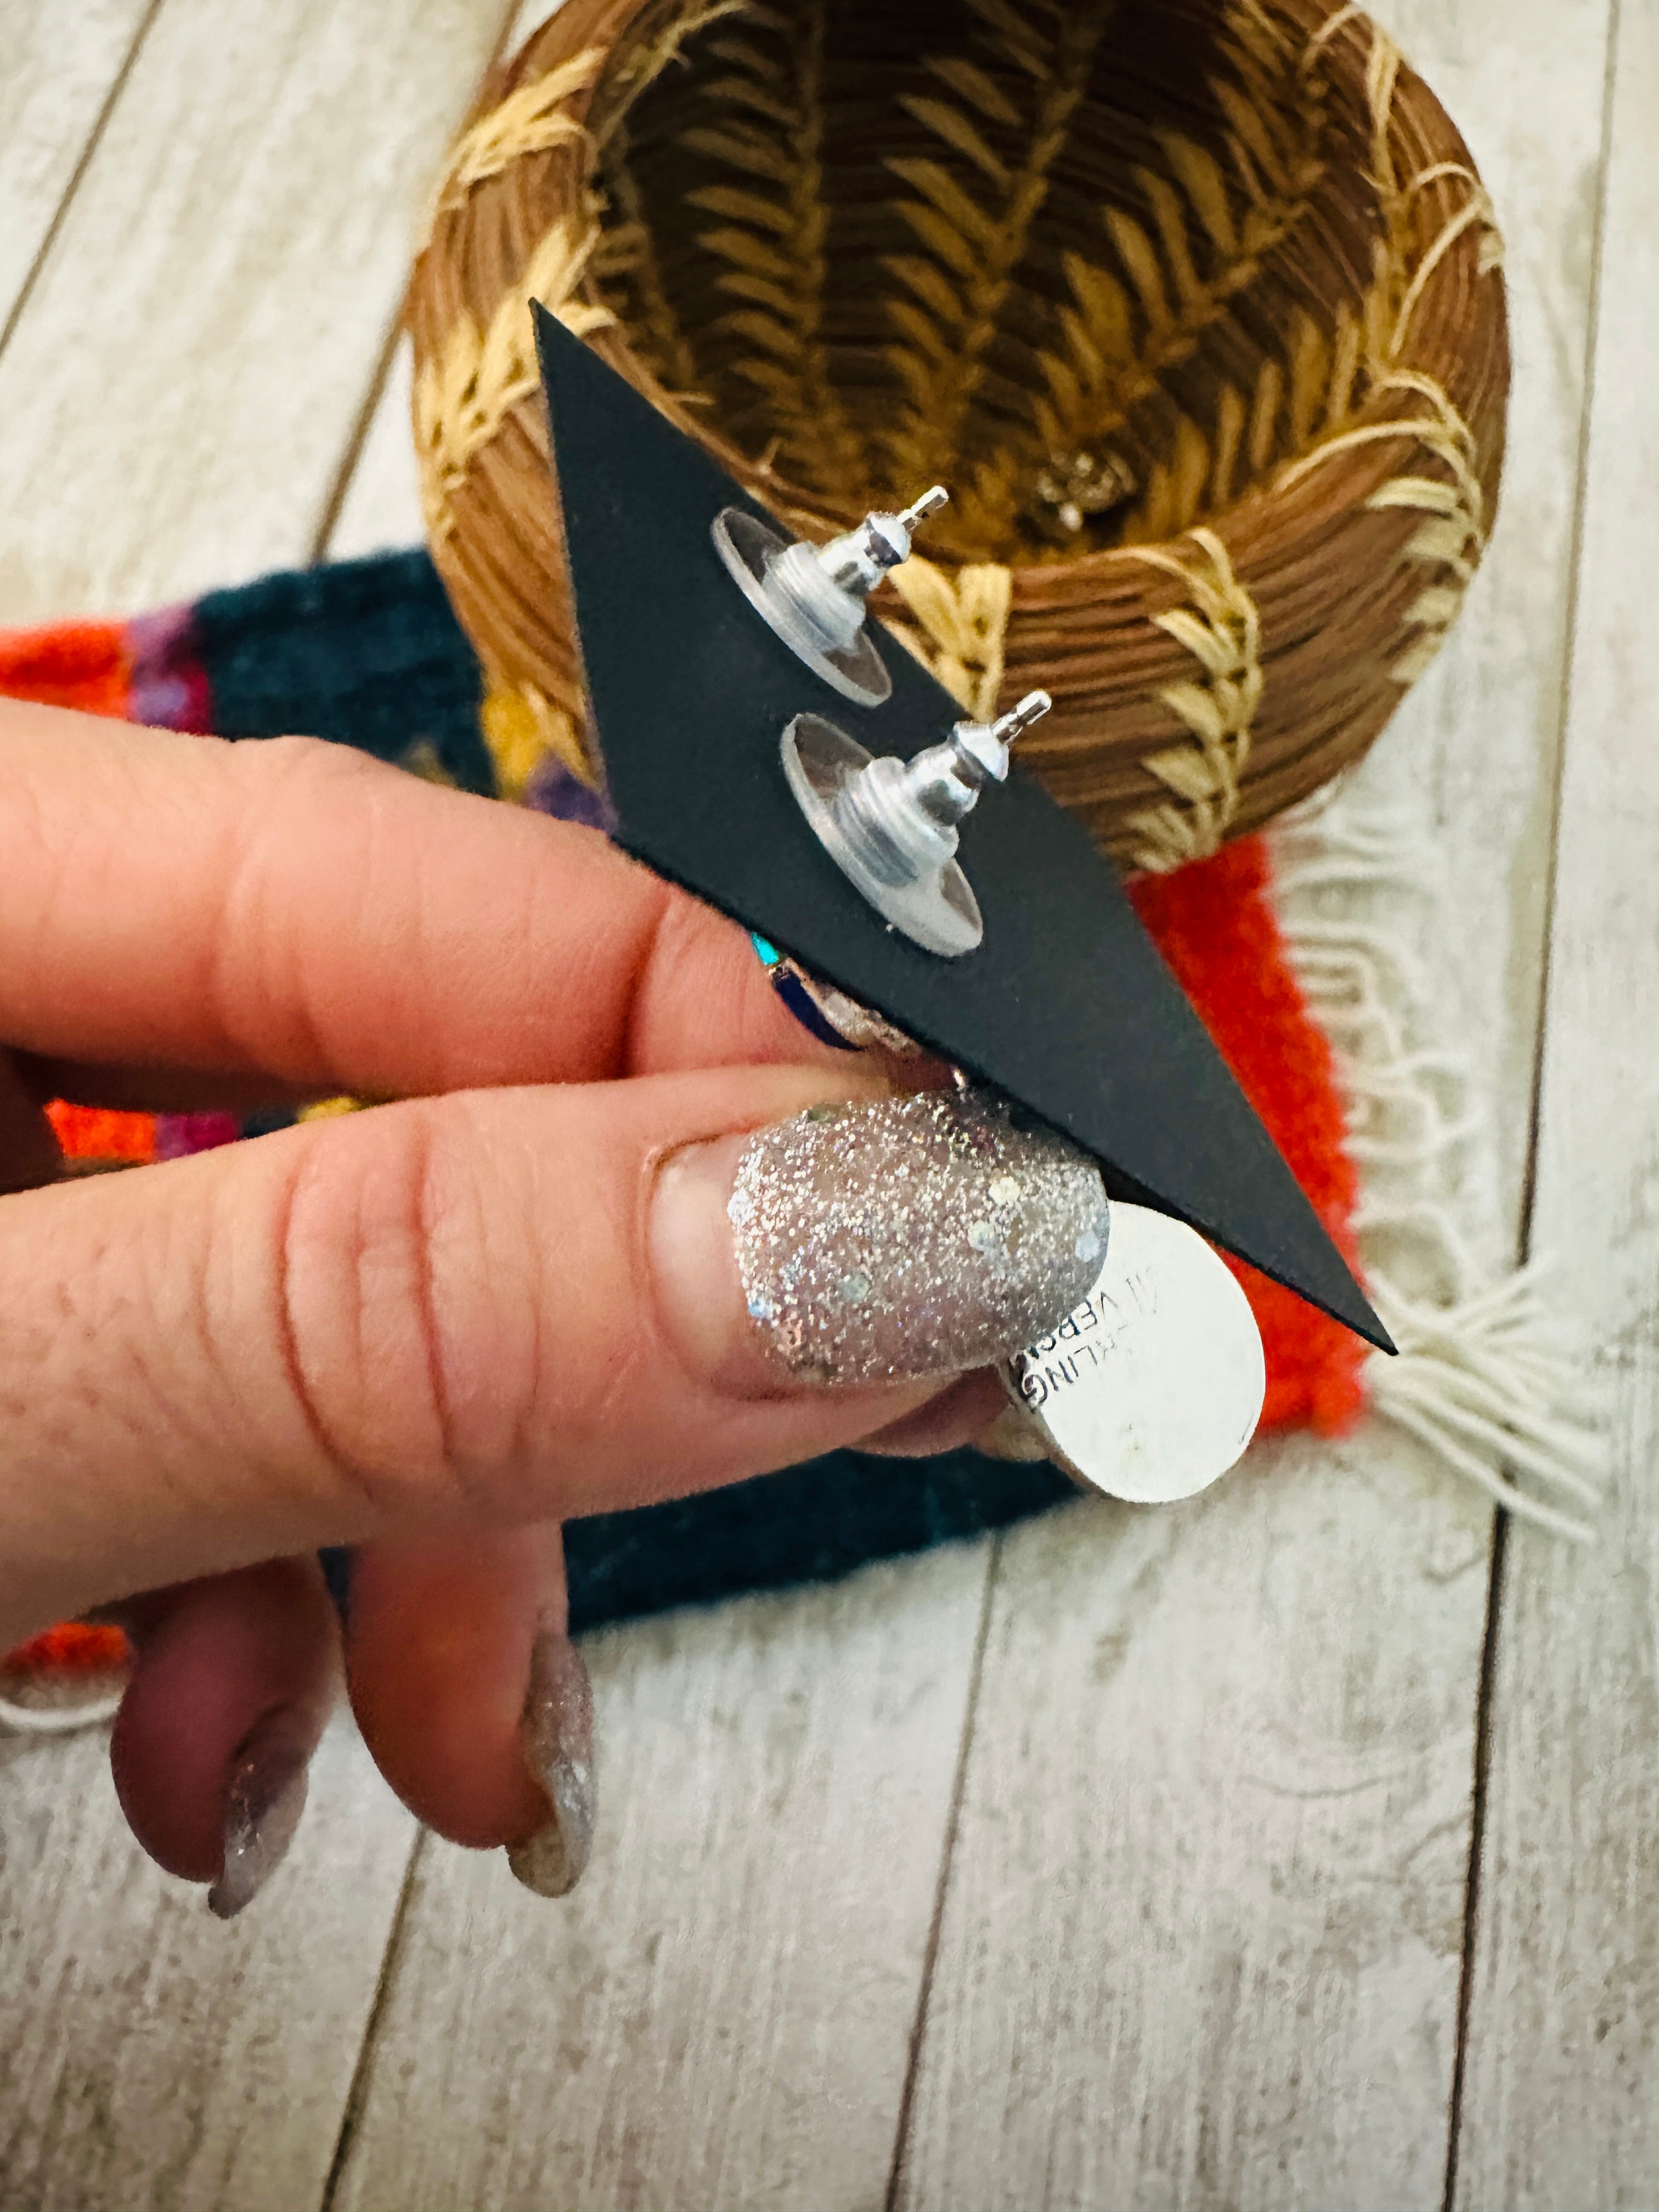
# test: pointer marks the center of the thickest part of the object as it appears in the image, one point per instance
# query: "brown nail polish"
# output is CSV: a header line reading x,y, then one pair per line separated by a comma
x,y
264,1800
556,1732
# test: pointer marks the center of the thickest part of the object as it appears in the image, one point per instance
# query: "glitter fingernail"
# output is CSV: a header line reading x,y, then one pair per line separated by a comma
x,y
912,1236
264,1799
556,1732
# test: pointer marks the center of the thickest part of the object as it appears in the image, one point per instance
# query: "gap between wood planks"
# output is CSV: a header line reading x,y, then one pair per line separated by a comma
x,y
1495,1571
66,200
507,38
357,2092
358,436
947,1852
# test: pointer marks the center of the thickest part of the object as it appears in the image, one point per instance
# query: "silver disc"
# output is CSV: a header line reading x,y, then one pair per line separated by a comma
x,y
1151,1389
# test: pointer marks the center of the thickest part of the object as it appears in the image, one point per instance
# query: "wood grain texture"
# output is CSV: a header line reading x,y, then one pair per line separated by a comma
x,y
1472,760
154,2057
1559,2104
1200,1943
380,511
188,369
1202,1938
719,2017
61,67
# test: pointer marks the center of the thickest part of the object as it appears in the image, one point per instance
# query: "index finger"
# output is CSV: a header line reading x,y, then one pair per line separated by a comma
x,y
300,911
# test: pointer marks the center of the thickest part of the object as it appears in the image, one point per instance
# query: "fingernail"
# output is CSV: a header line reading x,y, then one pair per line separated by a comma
x,y
264,1800
556,1731
907,1237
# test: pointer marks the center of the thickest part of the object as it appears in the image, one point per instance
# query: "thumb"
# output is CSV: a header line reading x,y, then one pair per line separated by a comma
x,y
502,1306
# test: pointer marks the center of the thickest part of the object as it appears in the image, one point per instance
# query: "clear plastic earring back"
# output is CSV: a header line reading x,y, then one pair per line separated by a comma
x,y
891,826
814,596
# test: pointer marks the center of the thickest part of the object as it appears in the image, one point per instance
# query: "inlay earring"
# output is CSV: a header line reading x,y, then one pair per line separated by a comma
x,y
814,596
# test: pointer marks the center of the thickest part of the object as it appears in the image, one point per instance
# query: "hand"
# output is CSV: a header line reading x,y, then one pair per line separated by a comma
x,y
434,1329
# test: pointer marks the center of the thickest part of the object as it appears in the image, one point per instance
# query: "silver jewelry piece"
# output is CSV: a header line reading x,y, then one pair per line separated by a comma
x,y
859,1028
813,596
1075,486
1152,1388
891,826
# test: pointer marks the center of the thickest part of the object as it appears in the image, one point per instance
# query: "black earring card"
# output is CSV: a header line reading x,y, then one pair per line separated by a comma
x,y
1067,1007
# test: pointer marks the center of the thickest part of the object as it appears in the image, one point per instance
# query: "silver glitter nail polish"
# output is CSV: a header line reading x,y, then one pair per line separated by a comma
x,y
264,1801
914,1237
556,1732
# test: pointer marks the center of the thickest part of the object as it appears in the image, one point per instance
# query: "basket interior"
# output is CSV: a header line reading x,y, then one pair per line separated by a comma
x,y
1102,266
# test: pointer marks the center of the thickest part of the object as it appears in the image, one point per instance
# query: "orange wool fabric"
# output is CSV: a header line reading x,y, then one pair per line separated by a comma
x,y
95,1133
80,1647
84,665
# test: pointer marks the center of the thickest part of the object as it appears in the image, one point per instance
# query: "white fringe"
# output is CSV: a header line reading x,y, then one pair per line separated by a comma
x,y
1479,1377
59,1720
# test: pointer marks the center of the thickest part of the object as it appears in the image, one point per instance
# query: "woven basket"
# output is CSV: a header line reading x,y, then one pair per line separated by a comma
x,y
1196,305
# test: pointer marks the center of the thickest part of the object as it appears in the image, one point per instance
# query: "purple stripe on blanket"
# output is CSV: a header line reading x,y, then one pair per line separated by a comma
x,y
169,688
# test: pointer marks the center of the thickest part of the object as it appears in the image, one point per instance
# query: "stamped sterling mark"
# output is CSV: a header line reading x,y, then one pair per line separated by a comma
x,y
1151,1388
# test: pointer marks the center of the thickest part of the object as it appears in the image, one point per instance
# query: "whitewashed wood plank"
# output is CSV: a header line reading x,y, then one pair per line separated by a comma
x,y
719,2017
186,373
62,66
156,2058
254,192
1202,1937
530,16
1203,1933
380,511
1559,2104
1472,761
